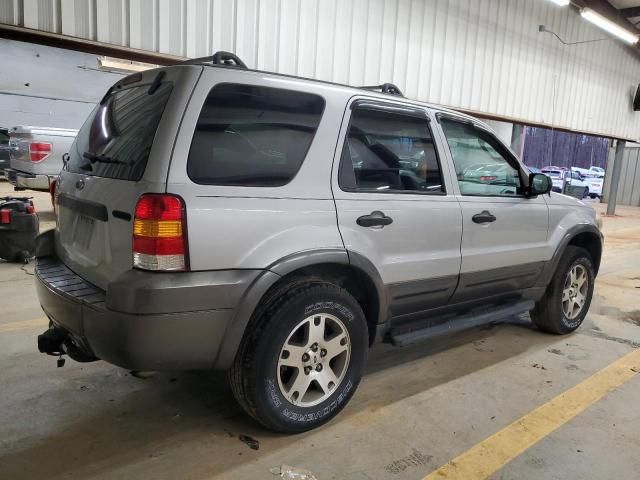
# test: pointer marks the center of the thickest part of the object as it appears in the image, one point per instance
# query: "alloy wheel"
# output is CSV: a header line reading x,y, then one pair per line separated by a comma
x,y
314,360
574,293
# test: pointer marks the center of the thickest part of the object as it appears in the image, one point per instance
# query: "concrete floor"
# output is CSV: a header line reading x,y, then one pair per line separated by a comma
x,y
416,409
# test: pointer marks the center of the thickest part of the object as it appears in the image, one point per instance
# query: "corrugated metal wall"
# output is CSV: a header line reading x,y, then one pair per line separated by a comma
x,y
629,187
48,87
481,55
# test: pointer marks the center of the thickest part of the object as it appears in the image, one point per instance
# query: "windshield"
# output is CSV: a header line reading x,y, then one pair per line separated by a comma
x,y
116,139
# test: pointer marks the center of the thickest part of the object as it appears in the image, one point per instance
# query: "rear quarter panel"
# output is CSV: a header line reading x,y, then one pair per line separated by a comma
x,y
109,253
252,227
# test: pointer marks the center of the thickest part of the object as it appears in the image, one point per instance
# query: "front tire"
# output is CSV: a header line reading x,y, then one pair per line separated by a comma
x,y
302,357
566,301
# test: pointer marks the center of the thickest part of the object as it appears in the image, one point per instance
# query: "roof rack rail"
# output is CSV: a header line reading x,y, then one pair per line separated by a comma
x,y
226,59
389,88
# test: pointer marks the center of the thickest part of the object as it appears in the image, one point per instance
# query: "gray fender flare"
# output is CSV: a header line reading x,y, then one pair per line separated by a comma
x,y
550,268
280,268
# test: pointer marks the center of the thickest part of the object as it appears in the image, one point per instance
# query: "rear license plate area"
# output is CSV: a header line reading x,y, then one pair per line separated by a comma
x,y
83,232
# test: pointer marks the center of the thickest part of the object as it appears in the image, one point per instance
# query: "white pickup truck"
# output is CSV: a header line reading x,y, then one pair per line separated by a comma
x,y
589,172
595,186
594,178
36,155
561,176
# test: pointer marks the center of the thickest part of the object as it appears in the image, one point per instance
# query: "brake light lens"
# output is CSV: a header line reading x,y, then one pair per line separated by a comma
x,y
159,233
487,178
38,151
5,216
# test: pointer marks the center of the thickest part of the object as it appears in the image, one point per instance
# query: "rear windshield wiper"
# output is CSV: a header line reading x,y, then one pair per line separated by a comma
x,y
92,157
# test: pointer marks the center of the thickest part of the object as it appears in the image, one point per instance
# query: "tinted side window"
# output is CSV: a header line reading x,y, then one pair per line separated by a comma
x,y
252,136
482,165
389,152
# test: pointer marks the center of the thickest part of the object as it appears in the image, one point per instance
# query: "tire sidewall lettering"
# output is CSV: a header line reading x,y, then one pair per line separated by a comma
x,y
317,413
324,306
293,413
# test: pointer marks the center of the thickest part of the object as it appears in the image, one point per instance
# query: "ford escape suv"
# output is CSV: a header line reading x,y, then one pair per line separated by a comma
x,y
214,217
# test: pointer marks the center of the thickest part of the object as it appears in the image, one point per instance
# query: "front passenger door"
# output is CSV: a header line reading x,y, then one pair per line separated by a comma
x,y
504,233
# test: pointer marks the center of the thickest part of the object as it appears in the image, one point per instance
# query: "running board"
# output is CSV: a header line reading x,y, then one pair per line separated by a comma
x,y
401,337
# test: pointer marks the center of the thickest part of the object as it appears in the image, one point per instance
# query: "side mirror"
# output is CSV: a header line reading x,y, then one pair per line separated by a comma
x,y
539,184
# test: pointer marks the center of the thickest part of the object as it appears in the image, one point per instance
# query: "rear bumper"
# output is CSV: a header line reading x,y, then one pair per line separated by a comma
x,y
26,180
144,337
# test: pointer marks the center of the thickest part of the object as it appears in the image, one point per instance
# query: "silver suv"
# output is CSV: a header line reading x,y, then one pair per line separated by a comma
x,y
214,217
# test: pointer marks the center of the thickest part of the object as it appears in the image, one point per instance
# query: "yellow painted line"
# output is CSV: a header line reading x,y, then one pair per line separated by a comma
x,y
488,456
24,325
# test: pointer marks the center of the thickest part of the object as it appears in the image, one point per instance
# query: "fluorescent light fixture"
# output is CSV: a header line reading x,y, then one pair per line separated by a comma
x,y
124,66
562,3
609,26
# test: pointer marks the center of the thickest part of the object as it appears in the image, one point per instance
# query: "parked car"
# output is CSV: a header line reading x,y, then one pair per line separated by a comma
x,y
594,179
557,178
560,177
577,180
4,150
595,186
206,219
36,155
589,172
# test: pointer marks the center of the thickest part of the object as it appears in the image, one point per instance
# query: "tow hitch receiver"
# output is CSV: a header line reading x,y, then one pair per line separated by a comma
x,y
51,341
57,342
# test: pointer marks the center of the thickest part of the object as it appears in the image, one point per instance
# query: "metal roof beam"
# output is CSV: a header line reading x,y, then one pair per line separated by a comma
x,y
57,40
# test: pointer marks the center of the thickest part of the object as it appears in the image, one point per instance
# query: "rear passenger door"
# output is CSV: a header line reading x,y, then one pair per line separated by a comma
x,y
504,232
394,203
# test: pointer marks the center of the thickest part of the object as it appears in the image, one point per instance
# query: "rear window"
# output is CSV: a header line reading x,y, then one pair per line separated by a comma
x,y
116,139
252,136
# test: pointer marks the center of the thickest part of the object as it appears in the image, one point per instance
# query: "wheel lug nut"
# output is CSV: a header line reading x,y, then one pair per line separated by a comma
x,y
319,367
305,357
323,352
307,370
314,347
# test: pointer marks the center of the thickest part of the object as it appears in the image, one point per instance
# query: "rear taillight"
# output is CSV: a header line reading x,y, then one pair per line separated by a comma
x,y
487,178
38,151
5,216
159,233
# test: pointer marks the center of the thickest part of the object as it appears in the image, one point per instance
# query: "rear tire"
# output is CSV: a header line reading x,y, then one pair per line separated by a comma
x,y
566,301
302,357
